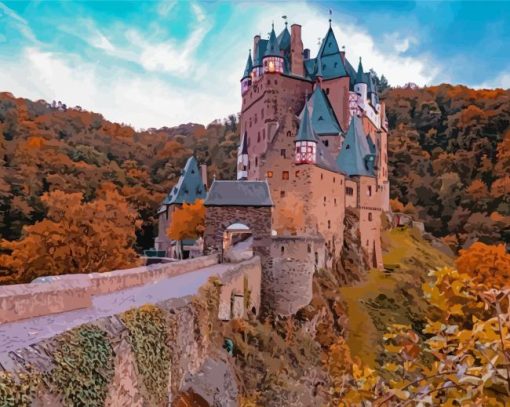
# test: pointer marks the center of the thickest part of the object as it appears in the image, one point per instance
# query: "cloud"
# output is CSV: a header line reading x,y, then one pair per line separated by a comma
x,y
156,80
140,100
502,80
7,16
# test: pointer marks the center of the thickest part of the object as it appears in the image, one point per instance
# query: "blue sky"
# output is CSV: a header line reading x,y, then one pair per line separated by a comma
x,y
157,63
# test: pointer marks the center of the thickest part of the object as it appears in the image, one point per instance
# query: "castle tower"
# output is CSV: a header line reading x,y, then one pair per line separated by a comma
x,y
360,85
306,141
296,51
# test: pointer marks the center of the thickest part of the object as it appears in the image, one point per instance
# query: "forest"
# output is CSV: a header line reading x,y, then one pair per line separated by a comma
x,y
64,171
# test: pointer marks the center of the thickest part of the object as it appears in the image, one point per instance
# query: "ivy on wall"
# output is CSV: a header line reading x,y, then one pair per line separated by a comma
x,y
18,391
84,366
148,339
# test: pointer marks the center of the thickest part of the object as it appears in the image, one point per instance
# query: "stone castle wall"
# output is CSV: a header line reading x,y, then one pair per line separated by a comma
x,y
75,291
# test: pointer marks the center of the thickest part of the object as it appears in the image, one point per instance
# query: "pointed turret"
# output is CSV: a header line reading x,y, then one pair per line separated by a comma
x,y
247,75
242,158
273,60
360,77
329,54
284,39
249,66
324,121
306,141
355,157
272,49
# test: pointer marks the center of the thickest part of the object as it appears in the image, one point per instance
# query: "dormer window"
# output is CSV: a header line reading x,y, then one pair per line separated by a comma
x,y
320,118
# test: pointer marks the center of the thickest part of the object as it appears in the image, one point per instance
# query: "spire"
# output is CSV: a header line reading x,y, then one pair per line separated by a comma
x,y
272,49
330,13
359,76
249,66
305,132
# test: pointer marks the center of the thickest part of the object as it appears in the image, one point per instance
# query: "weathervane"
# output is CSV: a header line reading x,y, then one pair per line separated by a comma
x,y
330,14
285,19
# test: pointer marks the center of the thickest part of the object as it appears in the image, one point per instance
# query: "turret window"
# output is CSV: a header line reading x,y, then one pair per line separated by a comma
x,y
285,175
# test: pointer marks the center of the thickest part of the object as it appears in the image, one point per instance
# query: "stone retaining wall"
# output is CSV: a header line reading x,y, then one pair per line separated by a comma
x,y
74,291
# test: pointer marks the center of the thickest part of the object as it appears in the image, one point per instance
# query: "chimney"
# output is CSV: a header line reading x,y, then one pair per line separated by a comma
x,y
306,53
203,172
296,53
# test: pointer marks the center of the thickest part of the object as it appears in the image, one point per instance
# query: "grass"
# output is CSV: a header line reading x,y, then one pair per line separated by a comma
x,y
384,297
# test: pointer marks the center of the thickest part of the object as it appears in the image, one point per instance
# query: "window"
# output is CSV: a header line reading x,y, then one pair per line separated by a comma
x,y
255,117
349,191
258,137
320,118
369,190
262,114
283,153
297,174
245,167
309,248
256,161
322,177
282,249
329,224
326,142
269,174
285,175
275,82
289,134
316,258
334,179
324,199
327,91
263,134
282,194
335,201
370,216
347,146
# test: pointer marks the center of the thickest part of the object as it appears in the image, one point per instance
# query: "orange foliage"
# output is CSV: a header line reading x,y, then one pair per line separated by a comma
x,y
478,189
396,205
188,222
75,237
501,187
486,264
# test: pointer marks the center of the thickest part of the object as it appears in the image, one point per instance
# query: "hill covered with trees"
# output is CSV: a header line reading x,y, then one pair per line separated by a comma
x,y
449,159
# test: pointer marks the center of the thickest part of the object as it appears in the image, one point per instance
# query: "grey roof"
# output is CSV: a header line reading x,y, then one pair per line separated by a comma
x,y
239,193
259,52
190,186
356,157
329,58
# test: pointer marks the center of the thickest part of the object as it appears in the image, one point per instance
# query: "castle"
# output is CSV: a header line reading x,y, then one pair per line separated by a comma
x,y
313,142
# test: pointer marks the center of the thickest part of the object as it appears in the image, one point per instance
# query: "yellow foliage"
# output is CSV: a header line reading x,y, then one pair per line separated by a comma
x,y
188,222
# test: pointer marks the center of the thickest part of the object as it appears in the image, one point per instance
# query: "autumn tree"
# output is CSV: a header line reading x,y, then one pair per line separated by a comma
x,y
75,237
188,222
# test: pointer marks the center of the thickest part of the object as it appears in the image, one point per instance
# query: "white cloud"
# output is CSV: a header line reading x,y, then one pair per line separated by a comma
x,y
8,15
500,81
183,81
140,100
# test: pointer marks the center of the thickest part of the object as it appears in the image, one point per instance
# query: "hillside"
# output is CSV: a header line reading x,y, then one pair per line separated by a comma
x,y
449,156
449,159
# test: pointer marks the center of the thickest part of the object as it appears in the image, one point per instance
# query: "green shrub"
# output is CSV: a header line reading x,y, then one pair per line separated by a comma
x,y
84,366
148,338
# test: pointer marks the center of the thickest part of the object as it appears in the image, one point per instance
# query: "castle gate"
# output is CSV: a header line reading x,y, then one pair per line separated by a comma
x,y
240,202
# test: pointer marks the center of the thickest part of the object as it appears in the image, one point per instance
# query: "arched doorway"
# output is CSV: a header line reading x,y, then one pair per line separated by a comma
x,y
237,243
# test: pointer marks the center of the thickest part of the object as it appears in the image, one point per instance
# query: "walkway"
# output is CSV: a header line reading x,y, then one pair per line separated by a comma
x,y
23,333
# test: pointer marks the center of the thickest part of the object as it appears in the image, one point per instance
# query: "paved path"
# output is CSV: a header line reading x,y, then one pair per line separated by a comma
x,y
23,333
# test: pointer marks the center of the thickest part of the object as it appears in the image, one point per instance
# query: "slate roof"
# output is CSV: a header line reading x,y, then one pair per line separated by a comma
x,y
355,152
259,52
239,193
249,66
189,188
284,39
329,57
272,48
360,77
305,132
323,117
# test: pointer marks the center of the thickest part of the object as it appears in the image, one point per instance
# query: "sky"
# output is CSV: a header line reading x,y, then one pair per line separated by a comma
x,y
163,63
